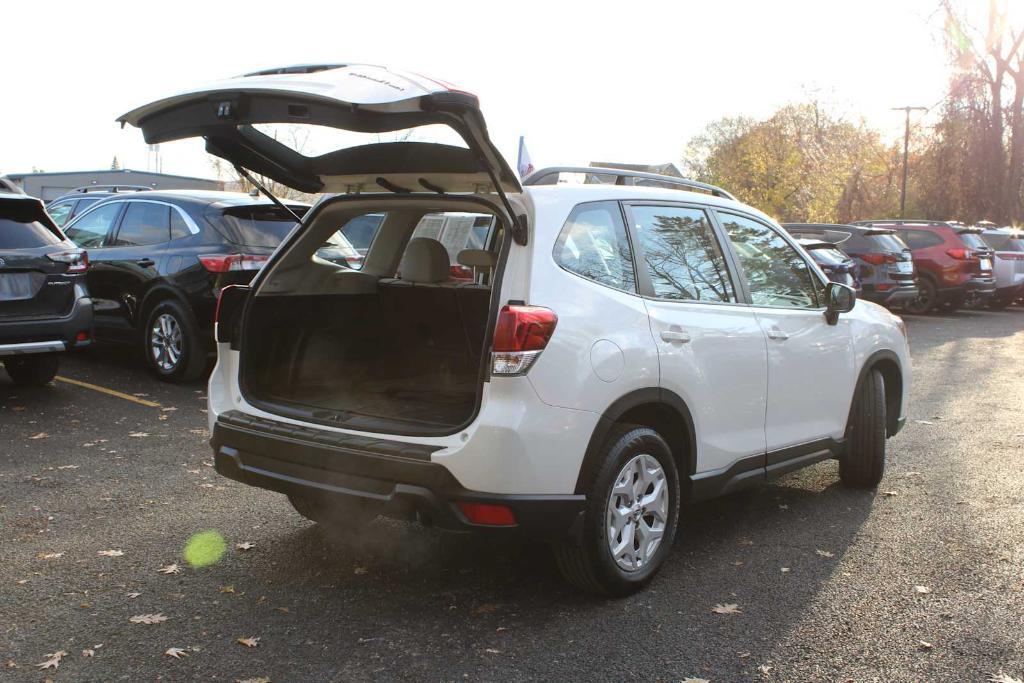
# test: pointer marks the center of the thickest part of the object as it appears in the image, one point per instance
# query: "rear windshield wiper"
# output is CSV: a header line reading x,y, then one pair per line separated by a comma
x,y
259,186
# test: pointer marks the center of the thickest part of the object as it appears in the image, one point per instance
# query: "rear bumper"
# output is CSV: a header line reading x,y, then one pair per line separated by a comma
x,y
398,478
47,335
889,297
981,286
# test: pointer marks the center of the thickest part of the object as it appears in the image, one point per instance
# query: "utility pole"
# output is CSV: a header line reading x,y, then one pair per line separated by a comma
x,y
906,153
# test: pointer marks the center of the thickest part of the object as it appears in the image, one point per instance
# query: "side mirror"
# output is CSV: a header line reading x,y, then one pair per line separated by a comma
x,y
839,298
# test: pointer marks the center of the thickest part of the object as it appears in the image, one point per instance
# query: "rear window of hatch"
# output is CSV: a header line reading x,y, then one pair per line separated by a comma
x,y
888,242
255,225
974,240
20,227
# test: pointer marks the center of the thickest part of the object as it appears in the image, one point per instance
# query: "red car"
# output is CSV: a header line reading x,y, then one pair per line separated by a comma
x,y
953,263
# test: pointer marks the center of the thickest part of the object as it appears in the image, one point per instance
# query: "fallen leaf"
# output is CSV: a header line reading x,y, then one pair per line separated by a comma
x,y
251,641
492,651
924,590
138,435
925,645
245,545
11,664
162,418
176,652
148,619
172,568
889,493
738,563
924,422
728,608
54,660
784,570
696,680
18,409
1001,677
282,610
41,435
110,553
486,608
824,553
49,556
86,605
88,653
783,507
67,467
261,679
227,589
133,595
359,570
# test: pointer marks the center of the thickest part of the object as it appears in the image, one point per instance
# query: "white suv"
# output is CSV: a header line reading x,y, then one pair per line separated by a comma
x,y
602,353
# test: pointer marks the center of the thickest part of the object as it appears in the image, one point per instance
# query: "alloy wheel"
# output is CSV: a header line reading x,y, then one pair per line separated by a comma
x,y
637,512
165,339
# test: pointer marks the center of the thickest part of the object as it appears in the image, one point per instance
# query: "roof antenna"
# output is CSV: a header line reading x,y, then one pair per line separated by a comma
x,y
256,184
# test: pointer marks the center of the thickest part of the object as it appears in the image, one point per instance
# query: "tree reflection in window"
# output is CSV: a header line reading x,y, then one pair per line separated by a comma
x,y
776,274
683,257
593,244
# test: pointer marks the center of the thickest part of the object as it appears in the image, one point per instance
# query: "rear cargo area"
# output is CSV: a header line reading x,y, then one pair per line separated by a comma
x,y
401,355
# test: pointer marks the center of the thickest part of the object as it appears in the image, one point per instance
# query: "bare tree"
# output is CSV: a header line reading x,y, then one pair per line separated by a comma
x,y
296,137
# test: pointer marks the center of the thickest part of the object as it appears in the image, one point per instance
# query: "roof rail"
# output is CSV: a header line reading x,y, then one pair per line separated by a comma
x,y
622,178
900,221
109,188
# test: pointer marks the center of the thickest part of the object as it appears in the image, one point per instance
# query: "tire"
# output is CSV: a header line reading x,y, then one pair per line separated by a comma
x,y
863,463
630,453
927,295
32,370
340,513
171,343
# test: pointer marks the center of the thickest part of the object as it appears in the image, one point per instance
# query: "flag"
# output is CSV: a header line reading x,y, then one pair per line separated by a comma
x,y
524,165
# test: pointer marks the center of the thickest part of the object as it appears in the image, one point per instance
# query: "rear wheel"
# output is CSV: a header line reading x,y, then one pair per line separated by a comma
x,y
341,513
927,294
863,463
33,370
174,351
630,519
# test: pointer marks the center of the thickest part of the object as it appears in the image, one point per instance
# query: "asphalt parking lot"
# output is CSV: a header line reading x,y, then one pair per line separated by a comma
x,y
921,581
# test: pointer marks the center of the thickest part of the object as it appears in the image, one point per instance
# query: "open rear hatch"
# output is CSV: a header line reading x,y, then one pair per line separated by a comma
x,y
394,342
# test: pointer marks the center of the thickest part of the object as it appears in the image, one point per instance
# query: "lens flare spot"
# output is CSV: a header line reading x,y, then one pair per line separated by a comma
x,y
205,548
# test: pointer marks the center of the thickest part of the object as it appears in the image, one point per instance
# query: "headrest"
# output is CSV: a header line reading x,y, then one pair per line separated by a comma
x,y
477,258
425,260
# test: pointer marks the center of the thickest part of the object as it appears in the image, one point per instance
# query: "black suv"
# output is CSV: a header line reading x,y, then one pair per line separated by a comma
x,y
77,201
158,260
44,304
885,265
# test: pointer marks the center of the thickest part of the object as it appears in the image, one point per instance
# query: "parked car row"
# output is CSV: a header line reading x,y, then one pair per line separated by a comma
x,y
927,265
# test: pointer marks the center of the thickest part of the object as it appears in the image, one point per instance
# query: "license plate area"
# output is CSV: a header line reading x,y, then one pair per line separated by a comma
x,y
905,267
20,286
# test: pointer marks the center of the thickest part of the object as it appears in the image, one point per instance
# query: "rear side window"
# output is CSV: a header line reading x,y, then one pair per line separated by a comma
x,y
974,240
144,223
91,229
920,239
828,256
256,226
593,244
349,244
84,204
887,243
681,254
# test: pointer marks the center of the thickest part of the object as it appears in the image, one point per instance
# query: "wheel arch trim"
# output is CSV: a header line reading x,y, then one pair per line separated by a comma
x,y
894,395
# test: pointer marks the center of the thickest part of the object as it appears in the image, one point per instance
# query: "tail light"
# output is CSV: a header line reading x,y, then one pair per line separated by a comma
x,y
877,259
960,254
521,334
226,315
223,263
461,272
485,513
77,260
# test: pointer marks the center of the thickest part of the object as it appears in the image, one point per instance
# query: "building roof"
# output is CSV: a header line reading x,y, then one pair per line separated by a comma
x,y
35,174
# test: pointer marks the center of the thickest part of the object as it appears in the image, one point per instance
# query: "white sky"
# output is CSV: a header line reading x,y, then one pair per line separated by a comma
x,y
627,81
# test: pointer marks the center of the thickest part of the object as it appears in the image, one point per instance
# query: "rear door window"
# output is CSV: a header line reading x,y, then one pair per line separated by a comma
x,y
60,212
888,243
83,205
144,223
91,229
678,247
593,244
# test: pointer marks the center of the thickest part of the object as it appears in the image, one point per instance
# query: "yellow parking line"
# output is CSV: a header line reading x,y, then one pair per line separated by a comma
x,y
109,392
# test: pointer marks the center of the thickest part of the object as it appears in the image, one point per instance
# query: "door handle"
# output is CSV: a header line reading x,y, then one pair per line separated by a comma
x,y
777,334
145,262
675,336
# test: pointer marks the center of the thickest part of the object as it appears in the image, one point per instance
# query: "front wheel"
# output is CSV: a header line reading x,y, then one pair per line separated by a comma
x,y
174,351
863,463
630,519
32,370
